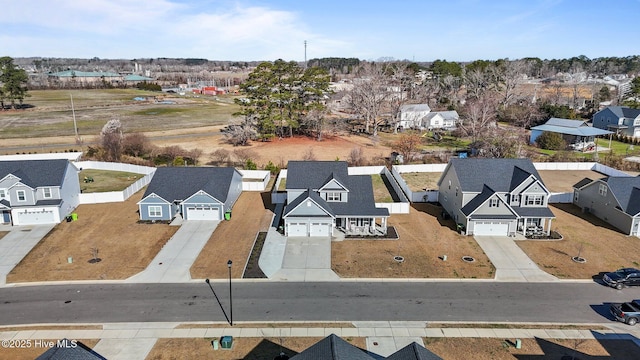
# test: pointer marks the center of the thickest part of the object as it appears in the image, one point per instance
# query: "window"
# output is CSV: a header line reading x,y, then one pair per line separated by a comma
x,y
576,196
456,191
515,198
22,196
602,189
155,211
533,200
333,196
494,202
449,184
3,194
46,193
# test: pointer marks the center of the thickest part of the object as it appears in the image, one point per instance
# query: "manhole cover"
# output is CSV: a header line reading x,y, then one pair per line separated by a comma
x,y
468,259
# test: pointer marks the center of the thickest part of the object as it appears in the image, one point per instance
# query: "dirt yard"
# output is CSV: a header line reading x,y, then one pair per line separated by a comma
x,y
563,181
124,246
424,239
233,239
604,248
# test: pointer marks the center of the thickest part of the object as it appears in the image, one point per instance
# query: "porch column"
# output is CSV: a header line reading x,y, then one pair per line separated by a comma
x,y
549,226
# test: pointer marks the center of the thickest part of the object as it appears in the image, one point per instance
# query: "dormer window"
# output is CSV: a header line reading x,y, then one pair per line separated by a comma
x,y
333,196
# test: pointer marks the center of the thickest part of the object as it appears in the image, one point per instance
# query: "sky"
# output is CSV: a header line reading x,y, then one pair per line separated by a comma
x,y
257,30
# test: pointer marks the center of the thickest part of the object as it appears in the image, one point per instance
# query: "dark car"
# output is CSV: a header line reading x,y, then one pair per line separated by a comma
x,y
623,277
628,312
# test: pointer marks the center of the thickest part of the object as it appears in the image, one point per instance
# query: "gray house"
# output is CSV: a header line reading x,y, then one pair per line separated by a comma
x,y
499,197
619,119
36,192
577,133
322,197
614,199
194,193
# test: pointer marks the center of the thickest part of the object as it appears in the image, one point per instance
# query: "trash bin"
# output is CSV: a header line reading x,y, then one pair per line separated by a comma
x,y
214,343
70,260
227,215
226,342
74,216
68,218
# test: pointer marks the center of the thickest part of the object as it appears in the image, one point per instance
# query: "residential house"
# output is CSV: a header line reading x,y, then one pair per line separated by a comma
x,y
619,119
66,349
577,133
36,192
447,120
614,199
323,197
411,115
333,347
501,197
194,193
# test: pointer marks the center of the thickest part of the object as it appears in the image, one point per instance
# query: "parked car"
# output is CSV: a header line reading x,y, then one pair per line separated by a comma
x,y
623,277
628,312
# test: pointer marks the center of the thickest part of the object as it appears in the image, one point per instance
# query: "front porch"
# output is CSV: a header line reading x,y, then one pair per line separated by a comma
x,y
359,226
534,228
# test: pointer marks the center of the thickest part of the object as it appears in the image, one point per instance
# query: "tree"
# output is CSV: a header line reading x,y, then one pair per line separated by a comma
x,y
479,116
407,144
369,95
13,81
551,141
604,94
635,86
135,144
111,140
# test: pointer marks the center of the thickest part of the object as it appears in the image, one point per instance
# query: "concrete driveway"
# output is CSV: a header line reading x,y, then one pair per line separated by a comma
x,y
173,262
511,263
17,244
306,259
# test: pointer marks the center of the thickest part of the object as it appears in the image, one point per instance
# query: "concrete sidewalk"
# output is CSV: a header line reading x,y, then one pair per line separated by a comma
x,y
135,340
174,260
16,245
511,263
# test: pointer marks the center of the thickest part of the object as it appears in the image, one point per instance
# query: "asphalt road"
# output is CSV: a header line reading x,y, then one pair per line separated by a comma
x,y
285,301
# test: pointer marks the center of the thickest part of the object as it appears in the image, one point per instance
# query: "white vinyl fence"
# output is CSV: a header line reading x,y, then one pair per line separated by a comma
x,y
255,180
115,196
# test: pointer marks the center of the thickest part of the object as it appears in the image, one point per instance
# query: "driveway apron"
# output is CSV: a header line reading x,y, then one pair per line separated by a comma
x,y
15,245
307,259
511,263
173,262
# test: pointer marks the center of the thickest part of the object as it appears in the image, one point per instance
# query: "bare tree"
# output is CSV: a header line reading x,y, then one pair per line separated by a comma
x,y
510,75
407,144
369,94
220,156
239,134
356,157
136,144
309,155
111,140
479,116
315,121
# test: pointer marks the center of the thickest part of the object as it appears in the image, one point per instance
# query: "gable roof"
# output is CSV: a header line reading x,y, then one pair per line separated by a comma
x,y
36,173
413,351
302,198
79,352
582,183
179,183
415,108
314,174
624,112
332,348
570,127
446,115
474,173
625,190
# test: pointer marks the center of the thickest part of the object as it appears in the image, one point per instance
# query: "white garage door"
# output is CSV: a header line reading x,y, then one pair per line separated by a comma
x,y
36,217
297,229
203,213
320,229
489,228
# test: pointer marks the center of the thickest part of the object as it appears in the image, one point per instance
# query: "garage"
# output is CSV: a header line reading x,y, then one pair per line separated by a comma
x,y
203,213
320,229
33,217
490,228
297,229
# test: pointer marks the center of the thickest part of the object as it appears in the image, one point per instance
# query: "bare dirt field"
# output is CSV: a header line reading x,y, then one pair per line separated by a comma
x,y
125,247
233,239
604,248
424,239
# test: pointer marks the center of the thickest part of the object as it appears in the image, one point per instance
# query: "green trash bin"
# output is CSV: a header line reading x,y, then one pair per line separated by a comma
x,y
74,216
226,342
227,215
